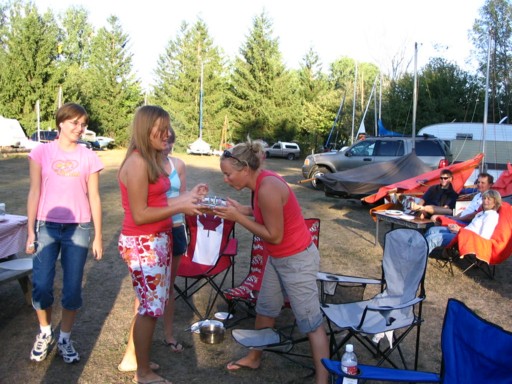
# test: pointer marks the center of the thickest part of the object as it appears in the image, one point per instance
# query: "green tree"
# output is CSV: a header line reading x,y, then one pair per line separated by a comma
x,y
445,93
112,90
495,20
318,102
264,96
178,84
29,51
74,55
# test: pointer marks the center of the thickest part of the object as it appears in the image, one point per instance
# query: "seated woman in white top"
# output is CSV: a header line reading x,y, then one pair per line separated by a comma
x,y
482,224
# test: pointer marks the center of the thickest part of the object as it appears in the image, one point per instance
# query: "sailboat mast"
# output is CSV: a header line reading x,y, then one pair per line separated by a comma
x,y
354,104
486,103
201,103
415,96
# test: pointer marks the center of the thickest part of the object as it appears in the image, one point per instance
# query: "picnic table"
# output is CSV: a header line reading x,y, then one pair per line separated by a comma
x,y
403,220
13,236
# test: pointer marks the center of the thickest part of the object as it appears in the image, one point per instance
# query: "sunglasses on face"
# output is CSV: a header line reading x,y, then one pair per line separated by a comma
x,y
445,177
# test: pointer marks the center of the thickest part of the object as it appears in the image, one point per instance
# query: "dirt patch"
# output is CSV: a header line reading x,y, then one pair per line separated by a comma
x,y
346,246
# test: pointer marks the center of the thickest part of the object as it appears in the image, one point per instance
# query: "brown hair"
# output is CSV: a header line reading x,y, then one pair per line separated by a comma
x,y
145,119
446,172
483,175
70,111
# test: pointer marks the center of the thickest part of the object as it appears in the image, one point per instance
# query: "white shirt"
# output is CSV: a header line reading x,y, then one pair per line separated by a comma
x,y
473,206
484,223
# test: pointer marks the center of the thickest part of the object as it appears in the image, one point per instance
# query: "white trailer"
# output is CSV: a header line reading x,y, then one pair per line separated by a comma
x,y
465,141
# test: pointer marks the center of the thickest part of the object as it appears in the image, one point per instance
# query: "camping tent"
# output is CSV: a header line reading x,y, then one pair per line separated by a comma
x,y
11,133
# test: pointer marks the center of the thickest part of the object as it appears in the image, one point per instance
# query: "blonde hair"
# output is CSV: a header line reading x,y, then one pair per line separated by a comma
x,y
249,154
145,119
495,195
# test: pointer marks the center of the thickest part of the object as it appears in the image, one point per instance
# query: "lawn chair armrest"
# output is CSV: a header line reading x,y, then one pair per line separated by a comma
x,y
231,247
328,277
368,372
410,303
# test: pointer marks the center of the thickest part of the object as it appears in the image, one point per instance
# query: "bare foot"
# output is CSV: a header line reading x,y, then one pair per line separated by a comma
x,y
126,366
243,363
415,207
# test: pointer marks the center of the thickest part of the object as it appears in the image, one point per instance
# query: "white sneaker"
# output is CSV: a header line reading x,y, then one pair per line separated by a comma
x,y
41,347
67,351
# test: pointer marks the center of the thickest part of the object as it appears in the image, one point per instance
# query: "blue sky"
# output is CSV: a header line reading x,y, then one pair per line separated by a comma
x,y
366,30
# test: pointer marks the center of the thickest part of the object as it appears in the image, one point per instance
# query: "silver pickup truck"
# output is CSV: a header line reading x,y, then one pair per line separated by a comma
x,y
289,151
432,151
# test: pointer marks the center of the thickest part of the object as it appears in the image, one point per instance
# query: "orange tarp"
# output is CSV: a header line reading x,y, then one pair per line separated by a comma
x,y
419,184
504,183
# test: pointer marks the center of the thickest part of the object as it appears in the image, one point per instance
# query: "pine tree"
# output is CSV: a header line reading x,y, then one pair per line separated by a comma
x,y
113,92
179,84
264,96
29,52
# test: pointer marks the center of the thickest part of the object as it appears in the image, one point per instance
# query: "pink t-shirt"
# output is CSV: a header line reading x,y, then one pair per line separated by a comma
x,y
64,177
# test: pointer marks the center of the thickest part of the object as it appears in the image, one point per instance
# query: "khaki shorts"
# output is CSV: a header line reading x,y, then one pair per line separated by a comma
x,y
293,277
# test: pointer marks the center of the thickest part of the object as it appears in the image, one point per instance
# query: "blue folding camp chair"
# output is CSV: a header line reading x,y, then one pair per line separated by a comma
x,y
475,351
395,312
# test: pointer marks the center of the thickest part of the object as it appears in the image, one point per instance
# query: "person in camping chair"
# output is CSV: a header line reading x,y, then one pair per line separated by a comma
x,y
483,183
483,224
439,199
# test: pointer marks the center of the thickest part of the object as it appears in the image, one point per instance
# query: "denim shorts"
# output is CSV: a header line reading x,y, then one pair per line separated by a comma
x,y
148,258
179,240
293,277
71,241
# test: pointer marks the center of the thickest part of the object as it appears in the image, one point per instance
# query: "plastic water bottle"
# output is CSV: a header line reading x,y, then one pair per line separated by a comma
x,y
349,364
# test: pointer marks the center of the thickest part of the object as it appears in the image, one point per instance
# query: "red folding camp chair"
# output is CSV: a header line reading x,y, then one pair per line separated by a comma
x,y
247,291
210,256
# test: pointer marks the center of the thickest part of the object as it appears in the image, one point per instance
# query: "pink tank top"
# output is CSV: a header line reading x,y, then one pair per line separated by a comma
x,y
296,237
156,198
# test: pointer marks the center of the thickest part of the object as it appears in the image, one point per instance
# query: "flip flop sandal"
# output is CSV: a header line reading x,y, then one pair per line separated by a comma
x,y
157,381
234,366
176,347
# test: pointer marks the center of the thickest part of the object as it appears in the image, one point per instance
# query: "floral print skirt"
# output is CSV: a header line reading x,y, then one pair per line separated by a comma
x,y
148,258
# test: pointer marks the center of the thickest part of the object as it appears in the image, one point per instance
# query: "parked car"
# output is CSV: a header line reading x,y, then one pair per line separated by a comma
x,y
289,151
44,136
105,142
431,150
47,136
98,142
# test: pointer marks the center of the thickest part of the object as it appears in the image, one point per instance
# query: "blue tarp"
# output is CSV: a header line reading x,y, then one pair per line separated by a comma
x,y
384,132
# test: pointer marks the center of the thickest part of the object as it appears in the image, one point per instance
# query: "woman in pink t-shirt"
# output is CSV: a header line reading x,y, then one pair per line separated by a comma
x,y
63,199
